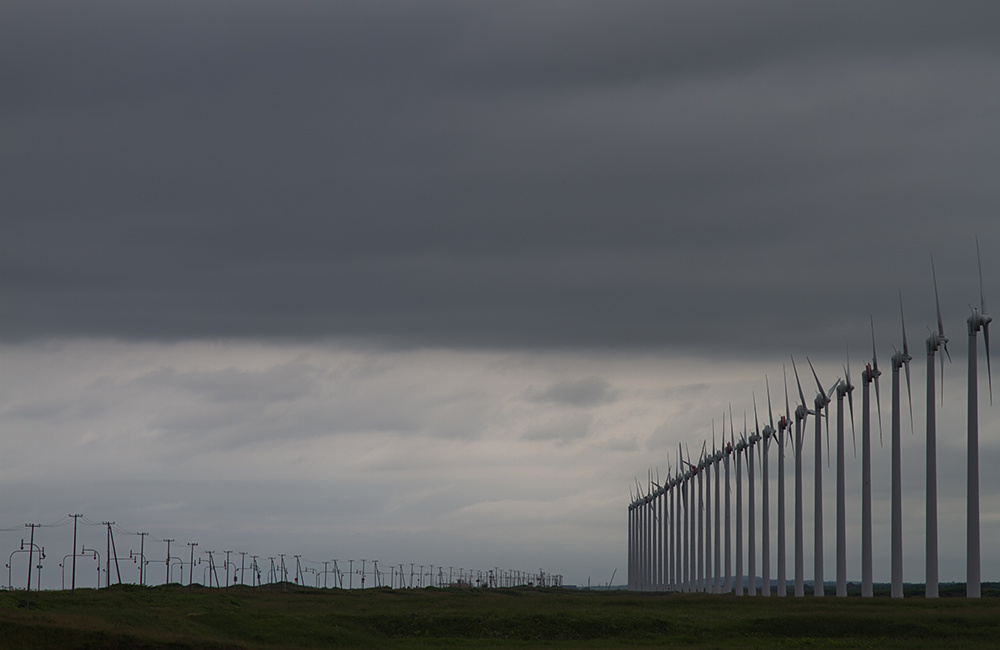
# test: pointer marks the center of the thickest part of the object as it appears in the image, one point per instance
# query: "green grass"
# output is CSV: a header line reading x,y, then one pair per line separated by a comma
x,y
176,617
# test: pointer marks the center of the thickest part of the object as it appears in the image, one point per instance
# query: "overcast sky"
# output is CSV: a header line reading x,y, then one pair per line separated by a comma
x,y
434,281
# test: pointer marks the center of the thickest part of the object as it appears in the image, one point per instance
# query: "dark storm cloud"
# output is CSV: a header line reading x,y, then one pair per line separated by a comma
x,y
753,176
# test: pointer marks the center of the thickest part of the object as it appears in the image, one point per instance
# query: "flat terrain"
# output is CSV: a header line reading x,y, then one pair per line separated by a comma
x,y
179,617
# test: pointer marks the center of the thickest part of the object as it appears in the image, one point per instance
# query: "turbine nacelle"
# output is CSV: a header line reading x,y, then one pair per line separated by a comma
x,y
769,431
844,388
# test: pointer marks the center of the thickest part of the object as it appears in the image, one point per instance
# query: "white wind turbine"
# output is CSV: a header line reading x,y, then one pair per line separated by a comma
x,y
692,517
752,441
935,342
899,360
801,413
718,456
631,540
707,471
869,375
822,403
679,523
669,551
844,388
728,586
977,320
784,433
765,523
700,549
740,448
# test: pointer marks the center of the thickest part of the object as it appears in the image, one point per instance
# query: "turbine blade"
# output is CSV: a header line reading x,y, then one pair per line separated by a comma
x,y
850,403
989,372
769,411
784,374
819,386
874,354
826,414
756,424
878,405
909,395
902,322
802,395
937,301
941,363
979,259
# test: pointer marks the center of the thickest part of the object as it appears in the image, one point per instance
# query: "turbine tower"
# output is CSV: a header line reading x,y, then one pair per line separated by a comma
x,y
899,360
740,447
822,403
801,413
935,342
844,388
784,434
977,320
728,586
708,524
700,549
752,441
765,523
869,375
718,456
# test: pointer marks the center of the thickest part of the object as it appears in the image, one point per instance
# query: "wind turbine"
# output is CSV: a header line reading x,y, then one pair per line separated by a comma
x,y
700,552
717,455
765,524
844,388
977,320
937,340
752,441
678,500
688,507
740,446
705,550
869,375
899,360
801,413
822,403
728,586
693,516
784,433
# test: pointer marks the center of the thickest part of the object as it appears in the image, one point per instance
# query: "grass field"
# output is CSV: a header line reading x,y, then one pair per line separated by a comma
x,y
178,617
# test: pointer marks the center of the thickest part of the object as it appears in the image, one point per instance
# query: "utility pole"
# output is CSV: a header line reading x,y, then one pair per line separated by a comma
x,y
107,558
31,550
191,567
142,557
243,557
168,560
72,580
227,568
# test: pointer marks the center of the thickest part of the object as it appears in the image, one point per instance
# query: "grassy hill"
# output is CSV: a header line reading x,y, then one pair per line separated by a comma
x,y
179,617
